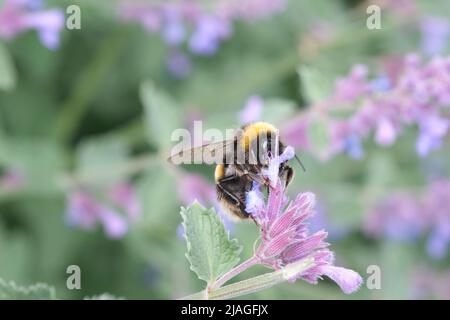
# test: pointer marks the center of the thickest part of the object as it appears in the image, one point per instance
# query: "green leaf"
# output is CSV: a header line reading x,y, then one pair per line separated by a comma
x,y
104,296
39,291
209,250
7,70
162,113
315,86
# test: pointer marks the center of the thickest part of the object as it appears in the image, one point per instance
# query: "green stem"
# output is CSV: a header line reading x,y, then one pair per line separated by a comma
x,y
78,103
127,168
234,272
255,284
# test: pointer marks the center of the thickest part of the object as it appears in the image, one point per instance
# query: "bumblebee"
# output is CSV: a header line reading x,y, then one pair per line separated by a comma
x,y
240,162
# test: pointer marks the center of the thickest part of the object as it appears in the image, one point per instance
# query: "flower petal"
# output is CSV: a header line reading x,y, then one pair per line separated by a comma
x,y
348,280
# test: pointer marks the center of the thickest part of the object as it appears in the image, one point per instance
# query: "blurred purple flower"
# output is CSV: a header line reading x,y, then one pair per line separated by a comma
x,y
380,84
397,218
193,187
415,93
429,284
124,197
85,211
438,208
179,65
432,131
353,86
150,17
17,16
210,24
408,217
209,32
435,34
12,180
320,221
353,147
295,132
174,30
385,133
438,243
252,110
285,239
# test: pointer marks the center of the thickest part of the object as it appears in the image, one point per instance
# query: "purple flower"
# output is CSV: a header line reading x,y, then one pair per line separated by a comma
x,y
11,180
209,32
354,86
285,236
85,212
193,187
17,16
432,131
285,239
320,220
295,132
252,110
385,133
380,84
415,93
438,243
124,197
179,65
406,216
150,18
173,31
435,34
438,208
430,284
398,218
353,147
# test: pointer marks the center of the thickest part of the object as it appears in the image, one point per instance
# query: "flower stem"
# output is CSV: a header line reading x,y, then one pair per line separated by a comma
x,y
234,272
255,284
130,167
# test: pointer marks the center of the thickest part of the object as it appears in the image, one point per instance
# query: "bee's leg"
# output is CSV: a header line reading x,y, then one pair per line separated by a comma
x,y
254,220
286,175
225,190
254,176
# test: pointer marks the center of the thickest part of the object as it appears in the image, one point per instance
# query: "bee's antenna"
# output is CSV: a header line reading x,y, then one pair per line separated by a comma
x,y
300,162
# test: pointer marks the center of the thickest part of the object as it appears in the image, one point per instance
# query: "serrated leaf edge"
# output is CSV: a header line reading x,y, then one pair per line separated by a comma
x,y
30,289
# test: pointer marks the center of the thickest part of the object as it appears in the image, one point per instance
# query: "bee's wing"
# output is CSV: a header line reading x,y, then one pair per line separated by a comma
x,y
209,153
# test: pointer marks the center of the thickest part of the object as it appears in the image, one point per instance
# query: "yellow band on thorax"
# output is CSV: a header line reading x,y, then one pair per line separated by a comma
x,y
219,172
252,131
